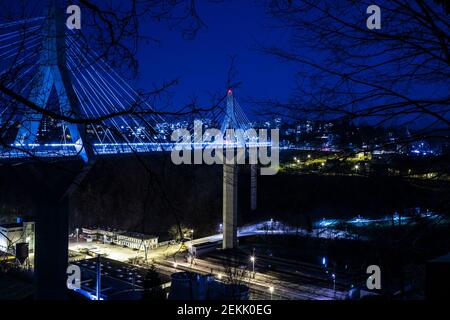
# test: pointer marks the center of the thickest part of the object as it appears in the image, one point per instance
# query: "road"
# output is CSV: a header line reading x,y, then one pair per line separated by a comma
x,y
268,227
286,286
290,279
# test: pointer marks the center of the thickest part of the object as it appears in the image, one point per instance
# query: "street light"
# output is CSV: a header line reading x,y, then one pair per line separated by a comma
x,y
271,289
192,237
252,259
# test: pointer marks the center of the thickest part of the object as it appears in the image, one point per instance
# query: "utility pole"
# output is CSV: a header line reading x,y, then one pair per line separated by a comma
x,y
98,284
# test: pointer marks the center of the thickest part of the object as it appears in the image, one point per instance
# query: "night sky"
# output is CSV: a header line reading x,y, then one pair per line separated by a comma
x,y
201,64
233,28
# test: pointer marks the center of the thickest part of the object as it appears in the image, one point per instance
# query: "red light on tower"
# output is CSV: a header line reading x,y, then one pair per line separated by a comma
x,y
230,91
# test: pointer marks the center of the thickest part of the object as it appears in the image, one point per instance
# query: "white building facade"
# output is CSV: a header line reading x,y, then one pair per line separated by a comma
x,y
14,233
131,240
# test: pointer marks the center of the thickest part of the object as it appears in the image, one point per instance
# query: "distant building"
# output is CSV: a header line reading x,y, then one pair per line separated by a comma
x,y
132,240
202,248
13,233
136,240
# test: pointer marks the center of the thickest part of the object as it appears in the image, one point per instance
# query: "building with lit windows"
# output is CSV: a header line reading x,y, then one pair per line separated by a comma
x,y
131,240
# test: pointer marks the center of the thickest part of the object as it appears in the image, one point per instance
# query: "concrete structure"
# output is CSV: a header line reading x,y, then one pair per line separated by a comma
x,y
229,206
14,233
53,73
253,186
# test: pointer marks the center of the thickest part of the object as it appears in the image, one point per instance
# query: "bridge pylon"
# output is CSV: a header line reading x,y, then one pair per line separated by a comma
x,y
52,204
53,73
230,180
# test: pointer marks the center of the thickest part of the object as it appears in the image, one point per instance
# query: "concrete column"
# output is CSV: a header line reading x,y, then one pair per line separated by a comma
x,y
253,186
51,248
229,206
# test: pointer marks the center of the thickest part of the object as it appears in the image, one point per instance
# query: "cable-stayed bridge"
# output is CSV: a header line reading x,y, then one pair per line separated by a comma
x,y
50,79
58,99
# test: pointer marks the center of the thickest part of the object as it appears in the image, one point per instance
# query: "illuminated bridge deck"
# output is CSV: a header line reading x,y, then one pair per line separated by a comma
x,y
57,150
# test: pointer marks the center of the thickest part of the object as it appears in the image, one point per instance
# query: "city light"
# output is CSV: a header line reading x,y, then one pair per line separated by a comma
x,y
355,189
252,259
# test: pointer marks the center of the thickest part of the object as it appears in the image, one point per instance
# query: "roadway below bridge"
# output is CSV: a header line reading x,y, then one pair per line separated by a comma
x,y
290,281
266,228
271,227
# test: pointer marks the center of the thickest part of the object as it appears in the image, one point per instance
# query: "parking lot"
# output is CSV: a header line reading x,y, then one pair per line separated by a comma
x,y
123,254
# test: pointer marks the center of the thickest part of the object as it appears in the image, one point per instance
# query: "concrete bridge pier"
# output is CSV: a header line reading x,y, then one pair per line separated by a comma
x,y
253,186
230,179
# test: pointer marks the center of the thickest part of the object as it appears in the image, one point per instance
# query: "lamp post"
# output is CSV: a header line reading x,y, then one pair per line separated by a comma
x,y
271,289
252,259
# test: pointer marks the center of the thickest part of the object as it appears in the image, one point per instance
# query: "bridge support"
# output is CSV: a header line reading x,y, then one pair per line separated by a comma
x,y
51,247
52,213
53,73
253,186
230,179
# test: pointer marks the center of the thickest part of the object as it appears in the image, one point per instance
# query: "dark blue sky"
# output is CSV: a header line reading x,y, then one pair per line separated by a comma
x,y
234,28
